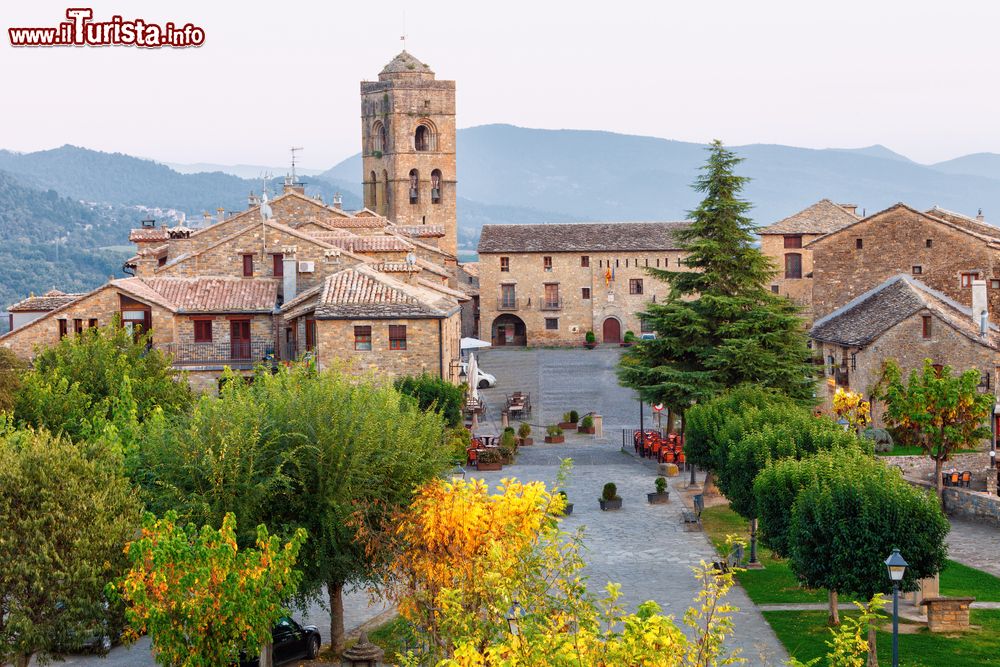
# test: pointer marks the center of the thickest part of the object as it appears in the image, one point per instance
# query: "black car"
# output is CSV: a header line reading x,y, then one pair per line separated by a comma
x,y
291,642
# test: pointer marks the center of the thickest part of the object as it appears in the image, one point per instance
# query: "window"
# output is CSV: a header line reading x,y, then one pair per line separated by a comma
x,y
63,328
626,262
635,286
363,338
508,296
310,334
78,326
397,336
793,265
774,288
645,326
279,264
373,190
436,186
929,243
967,278
414,186
585,261
552,295
995,284
136,319
162,261
551,323
422,138
585,293
505,264
916,270
547,263
247,265
793,241
203,331
926,326
657,262
379,137
92,322
859,244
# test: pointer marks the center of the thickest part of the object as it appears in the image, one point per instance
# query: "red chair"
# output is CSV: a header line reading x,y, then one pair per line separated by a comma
x,y
954,479
668,456
472,458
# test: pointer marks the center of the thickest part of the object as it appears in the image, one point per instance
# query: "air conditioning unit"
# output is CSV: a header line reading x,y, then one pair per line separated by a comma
x,y
574,329
307,267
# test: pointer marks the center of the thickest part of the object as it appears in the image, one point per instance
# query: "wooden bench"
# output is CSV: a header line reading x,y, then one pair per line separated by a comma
x,y
692,520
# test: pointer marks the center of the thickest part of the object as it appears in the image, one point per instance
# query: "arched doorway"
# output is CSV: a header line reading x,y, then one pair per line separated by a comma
x,y
509,330
612,330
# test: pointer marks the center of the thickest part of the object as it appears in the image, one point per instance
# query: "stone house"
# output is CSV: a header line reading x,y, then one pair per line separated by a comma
x,y
943,250
30,309
550,284
904,319
786,242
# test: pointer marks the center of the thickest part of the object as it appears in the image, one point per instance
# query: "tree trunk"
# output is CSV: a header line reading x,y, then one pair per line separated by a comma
x,y
709,488
753,541
834,617
335,591
22,659
670,420
267,654
872,652
938,481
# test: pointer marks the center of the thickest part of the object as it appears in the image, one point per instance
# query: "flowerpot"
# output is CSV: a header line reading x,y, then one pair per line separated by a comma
x,y
607,505
590,346
508,460
526,442
583,429
555,439
567,426
487,467
568,509
658,498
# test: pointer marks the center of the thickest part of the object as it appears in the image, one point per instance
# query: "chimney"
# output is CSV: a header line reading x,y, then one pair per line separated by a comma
x,y
980,217
290,271
252,200
338,201
220,214
980,307
850,208
148,223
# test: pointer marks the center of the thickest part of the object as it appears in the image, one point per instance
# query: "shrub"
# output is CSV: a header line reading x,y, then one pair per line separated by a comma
x,y
490,456
508,429
433,393
574,416
508,452
610,492
508,440
458,440
881,437
553,430
591,338
524,430
566,418
661,484
588,422
629,336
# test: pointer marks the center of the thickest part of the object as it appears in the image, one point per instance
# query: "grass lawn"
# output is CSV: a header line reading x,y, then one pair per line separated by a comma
x,y
392,637
916,450
776,584
804,634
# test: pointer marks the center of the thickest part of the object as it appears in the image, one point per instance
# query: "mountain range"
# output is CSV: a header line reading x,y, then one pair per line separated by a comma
x,y
84,201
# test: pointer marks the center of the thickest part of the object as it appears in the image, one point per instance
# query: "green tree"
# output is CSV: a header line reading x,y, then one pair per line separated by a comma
x,y
434,393
199,596
11,369
98,380
720,326
65,517
939,411
322,451
842,529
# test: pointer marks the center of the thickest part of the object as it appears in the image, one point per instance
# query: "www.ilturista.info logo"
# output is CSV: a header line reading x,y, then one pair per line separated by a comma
x,y
80,30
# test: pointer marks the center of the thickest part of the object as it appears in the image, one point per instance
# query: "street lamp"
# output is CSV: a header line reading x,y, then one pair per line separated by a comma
x,y
993,458
459,471
897,570
514,615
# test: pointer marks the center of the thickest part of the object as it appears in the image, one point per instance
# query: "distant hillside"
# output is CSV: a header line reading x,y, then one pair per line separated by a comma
x,y
249,171
589,175
977,164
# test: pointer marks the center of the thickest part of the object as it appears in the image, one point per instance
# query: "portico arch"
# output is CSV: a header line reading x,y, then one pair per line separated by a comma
x,y
507,330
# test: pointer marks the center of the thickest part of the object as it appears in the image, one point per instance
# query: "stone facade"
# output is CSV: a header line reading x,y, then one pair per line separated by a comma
x,y
799,289
900,239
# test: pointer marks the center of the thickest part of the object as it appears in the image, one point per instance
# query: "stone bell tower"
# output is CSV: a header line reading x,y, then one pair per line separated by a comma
x,y
408,146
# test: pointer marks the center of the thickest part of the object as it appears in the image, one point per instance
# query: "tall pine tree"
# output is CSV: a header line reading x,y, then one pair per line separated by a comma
x,y
720,326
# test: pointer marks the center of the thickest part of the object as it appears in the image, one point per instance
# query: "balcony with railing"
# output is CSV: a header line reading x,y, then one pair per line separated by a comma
x,y
550,304
237,354
507,303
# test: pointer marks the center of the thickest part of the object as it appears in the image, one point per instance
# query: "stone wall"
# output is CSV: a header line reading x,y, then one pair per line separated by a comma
x,y
922,467
798,290
967,504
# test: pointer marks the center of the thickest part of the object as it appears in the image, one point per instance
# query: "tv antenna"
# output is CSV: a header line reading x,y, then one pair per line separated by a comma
x,y
294,150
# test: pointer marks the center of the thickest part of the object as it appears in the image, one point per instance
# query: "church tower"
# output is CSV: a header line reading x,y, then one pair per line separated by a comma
x,y
408,146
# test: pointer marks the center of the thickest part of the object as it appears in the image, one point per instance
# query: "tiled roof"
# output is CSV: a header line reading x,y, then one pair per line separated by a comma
x,y
145,234
580,237
966,222
396,267
404,63
49,301
472,268
361,293
431,267
216,295
867,317
420,231
380,243
965,229
822,217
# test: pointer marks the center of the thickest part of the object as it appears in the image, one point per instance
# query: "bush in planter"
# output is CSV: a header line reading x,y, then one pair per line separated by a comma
x,y
661,484
567,506
524,433
587,424
507,452
574,416
553,433
490,458
568,421
591,340
629,336
610,500
662,495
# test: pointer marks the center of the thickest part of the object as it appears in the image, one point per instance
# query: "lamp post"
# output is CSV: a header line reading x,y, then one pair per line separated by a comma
x,y
458,472
897,570
514,615
993,458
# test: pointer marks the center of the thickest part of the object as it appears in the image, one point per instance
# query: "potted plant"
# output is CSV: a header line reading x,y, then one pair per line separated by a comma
x,y
489,459
554,434
629,339
662,495
590,340
508,445
524,432
587,425
610,500
568,508
569,420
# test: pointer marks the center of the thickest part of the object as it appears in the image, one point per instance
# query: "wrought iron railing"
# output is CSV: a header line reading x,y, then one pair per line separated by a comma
x,y
550,304
507,304
237,353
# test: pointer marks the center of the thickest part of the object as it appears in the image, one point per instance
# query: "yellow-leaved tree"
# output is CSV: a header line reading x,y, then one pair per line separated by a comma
x,y
468,561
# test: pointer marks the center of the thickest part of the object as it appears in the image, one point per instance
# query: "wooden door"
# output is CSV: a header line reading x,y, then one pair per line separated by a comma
x,y
239,339
612,331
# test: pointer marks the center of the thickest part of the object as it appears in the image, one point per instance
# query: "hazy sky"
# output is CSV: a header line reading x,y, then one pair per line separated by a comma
x,y
918,77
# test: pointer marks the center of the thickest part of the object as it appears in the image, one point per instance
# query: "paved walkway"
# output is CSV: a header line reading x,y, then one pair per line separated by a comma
x,y
975,545
643,547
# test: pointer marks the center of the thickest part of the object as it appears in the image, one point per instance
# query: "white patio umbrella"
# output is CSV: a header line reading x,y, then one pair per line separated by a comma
x,y
472,372
474,343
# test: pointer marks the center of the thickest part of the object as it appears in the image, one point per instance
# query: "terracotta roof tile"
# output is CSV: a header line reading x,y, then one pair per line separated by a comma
x,y
379,243
420,231
822,217
362,293
580,237
216,295
49,301
145,234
